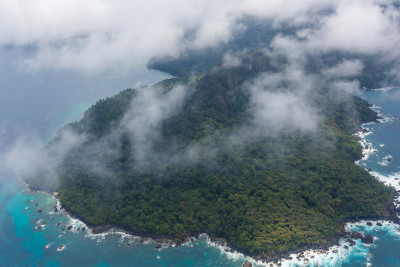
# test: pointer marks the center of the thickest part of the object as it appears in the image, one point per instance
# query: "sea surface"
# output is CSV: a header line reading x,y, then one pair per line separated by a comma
x,y
32,238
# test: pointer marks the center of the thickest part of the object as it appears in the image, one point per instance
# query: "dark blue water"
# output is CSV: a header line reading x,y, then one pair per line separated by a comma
x,y
24,243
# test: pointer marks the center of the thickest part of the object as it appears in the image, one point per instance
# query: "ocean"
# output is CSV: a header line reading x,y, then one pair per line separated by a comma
x,y
29,237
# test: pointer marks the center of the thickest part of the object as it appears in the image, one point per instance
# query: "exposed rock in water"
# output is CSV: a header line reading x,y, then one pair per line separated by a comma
x,y
369,223
367,239
356,235
379,224
352,242
83,228
69,227
158,245
247,264
39,211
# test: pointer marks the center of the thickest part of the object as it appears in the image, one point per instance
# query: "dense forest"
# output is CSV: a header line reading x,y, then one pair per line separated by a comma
x,y
265,194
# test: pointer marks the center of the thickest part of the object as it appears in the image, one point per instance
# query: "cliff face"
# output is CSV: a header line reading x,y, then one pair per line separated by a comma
x,y
211,156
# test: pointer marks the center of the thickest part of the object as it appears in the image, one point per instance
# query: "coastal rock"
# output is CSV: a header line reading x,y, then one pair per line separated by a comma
x,y
247,264
351,242
369,223
367,239
83,228
39,211
379,224
69,227
356,235
158,245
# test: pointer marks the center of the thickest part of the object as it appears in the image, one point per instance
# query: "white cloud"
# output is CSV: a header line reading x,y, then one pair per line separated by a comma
x,y
96,35
347,68
26,158
148,109
281,102
358,27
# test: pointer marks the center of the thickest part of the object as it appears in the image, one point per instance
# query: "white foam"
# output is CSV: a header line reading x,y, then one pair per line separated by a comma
x,y
386,160
224,249
61,248
384,89
391,180
333,256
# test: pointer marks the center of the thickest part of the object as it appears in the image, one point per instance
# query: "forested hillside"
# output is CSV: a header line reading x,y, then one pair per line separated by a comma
x,y
208,169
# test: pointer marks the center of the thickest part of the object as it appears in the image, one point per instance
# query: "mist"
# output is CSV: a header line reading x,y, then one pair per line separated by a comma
x,y
96,46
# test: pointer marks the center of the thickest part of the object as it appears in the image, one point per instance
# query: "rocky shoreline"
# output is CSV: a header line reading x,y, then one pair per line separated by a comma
x,y
163,241
336,246
303,252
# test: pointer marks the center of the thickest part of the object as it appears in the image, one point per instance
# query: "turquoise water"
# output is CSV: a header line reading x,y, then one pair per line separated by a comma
x,y
21,244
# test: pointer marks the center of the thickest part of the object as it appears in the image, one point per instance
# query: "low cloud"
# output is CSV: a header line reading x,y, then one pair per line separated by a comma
x,y
27,158
347,68
98,36
101,35
282,102
358,27
149,108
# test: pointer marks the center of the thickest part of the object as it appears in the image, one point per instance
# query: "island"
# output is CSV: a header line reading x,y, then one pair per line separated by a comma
x,y
188,156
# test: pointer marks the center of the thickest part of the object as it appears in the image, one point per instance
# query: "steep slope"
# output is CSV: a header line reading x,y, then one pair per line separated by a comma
x,y
209,170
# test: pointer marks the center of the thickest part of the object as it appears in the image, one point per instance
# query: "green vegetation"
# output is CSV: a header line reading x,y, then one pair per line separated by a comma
x,y
265,195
